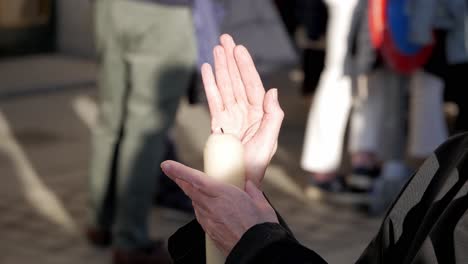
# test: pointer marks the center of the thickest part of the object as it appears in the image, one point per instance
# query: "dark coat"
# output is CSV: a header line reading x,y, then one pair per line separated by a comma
x,y
428,223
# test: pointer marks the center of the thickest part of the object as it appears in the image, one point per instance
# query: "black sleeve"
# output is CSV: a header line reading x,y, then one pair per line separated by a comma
x,y
187,245
263,243
271,243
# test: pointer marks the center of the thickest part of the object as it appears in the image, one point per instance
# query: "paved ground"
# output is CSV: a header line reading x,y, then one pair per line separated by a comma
x,y
44,150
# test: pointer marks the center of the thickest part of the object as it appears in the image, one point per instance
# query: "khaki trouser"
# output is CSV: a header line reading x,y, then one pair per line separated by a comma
x,y
146,53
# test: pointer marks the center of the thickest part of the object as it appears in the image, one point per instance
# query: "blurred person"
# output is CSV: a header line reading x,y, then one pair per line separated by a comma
x,y
312,16
258,25
288,10
328,115
378,119
398,117
426,224
146,51
207,18
377,125
447,22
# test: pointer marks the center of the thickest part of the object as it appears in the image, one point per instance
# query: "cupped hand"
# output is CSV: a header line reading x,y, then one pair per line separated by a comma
x,y
240,106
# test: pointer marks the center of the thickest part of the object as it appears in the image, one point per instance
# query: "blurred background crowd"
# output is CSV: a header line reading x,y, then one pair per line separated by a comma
x,y
95,94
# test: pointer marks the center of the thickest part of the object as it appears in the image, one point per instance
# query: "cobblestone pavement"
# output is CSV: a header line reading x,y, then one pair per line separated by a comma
x,y
44,151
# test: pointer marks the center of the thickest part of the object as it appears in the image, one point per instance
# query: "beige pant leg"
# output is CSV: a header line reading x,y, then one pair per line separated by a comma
x,y
426,121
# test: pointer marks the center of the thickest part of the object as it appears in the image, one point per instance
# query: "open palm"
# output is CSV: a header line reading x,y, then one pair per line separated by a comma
x,y
239,105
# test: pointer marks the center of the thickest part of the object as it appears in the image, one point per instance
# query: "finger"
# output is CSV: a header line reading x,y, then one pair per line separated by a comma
x,y
215,102
236,80
196,195
223,80
271,123
200,181
250,77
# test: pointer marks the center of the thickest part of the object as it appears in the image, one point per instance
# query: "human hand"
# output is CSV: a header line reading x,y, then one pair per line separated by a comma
x,y
224,211
239,106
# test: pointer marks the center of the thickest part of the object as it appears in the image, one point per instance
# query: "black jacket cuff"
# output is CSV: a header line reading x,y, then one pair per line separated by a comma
x,y
256,239
187,245
271,243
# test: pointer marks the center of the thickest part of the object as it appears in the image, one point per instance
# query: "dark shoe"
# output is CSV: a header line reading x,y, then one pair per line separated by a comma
x,y
155,254
337,191
334,185
362,179
99,238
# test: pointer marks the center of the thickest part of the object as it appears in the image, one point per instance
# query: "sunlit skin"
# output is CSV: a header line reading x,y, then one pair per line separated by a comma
x,y
239,106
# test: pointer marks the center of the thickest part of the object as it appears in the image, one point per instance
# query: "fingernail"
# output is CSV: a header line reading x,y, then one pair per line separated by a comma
x,y
275,94
165,166
240,49
225,37
218,50
244,50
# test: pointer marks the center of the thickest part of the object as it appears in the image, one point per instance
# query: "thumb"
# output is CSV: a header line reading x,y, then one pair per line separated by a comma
x,y
252,190
270,103
271,123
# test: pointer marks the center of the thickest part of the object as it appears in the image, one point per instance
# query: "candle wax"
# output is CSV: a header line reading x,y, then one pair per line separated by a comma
x,y
224,161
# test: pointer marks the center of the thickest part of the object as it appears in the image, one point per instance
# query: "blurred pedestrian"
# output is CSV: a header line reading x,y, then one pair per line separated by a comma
x,y
207,18
328,115
399,115
147,53
312,16
443,23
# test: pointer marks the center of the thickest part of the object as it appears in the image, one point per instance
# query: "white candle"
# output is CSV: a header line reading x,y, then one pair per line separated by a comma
x,y
224,161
